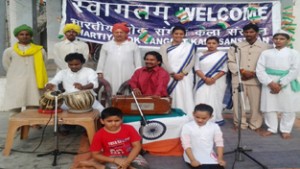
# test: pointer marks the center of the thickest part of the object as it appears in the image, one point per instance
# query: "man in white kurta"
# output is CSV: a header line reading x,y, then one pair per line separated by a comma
x,y
119,58
69,45
21,87
286,100
68,78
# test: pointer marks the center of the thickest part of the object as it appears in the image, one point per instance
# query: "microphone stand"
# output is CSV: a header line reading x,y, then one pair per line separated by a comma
x,y
241,107
56,151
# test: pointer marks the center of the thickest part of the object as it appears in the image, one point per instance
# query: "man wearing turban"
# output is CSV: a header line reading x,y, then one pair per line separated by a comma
x,y
69,45
26,74
118,58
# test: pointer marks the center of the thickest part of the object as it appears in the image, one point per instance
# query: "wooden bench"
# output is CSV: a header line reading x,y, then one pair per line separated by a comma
x,y
30,117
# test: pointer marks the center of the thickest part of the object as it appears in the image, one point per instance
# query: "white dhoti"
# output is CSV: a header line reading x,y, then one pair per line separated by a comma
x,y
286,121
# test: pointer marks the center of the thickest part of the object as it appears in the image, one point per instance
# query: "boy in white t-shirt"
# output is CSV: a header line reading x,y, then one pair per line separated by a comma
x,y
198,138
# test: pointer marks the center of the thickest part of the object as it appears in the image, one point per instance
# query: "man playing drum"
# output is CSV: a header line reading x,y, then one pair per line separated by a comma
x,y
76,78
150,79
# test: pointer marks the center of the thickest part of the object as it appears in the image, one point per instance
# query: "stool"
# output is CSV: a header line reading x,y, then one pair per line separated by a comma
x,y
30,117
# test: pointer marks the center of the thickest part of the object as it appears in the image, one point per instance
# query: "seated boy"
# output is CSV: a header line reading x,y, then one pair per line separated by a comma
x,y
198,138
116,145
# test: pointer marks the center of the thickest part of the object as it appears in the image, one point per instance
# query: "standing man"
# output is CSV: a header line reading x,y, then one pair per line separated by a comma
x,y
152,79
249,52
26,71
118,58
277,70
69,45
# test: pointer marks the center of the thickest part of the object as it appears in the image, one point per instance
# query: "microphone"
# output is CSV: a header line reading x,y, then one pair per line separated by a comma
x,y
234,45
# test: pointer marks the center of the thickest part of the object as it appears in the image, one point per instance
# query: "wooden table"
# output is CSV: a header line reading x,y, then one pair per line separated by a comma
x,y
30,117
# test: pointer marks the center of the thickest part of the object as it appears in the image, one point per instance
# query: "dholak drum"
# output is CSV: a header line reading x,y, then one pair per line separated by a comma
x,y
80,101
149,105
47,102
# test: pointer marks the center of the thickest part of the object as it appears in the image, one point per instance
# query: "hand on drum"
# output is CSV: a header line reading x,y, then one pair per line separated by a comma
x,y
83,87
78,86
50,86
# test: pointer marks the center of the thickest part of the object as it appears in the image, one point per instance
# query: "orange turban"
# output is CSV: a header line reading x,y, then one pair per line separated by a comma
x,y
122,26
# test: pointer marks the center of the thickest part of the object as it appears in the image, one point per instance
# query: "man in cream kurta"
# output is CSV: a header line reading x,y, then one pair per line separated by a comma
x,y
76,76
69,45
249,52
119,58
21,86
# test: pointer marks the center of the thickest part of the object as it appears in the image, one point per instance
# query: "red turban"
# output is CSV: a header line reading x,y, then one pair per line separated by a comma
x,y
122,26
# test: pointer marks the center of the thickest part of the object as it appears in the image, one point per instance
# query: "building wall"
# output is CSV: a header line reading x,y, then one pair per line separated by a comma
x,y
2,32
19,12
296,12
54,12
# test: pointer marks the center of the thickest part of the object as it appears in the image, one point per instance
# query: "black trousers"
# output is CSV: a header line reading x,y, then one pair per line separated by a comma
x,y
207,166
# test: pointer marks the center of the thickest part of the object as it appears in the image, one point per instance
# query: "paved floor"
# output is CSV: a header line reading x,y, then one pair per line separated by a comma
x,y
273,151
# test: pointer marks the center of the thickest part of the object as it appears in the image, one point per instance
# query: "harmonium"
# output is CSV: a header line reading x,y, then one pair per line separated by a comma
x,y
148,105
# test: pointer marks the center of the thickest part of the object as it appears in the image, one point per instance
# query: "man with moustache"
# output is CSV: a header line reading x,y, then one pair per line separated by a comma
x,y
152,79
26,74
69,45
249,52
119,58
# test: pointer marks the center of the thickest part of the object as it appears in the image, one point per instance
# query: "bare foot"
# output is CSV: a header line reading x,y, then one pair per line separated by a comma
x,y
91,164
236,128
258,130
266,133
286,136
87,163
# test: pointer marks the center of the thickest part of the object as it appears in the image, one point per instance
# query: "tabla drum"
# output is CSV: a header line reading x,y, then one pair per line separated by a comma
x,y
80,101
47,102
148,105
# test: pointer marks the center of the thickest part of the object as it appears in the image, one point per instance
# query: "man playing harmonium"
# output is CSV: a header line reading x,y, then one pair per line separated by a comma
x,y
152,79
